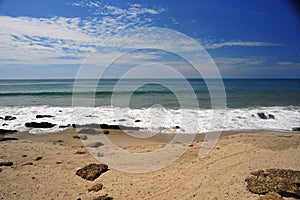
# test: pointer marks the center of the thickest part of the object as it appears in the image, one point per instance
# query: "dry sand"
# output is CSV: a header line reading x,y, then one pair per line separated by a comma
x,y
220,175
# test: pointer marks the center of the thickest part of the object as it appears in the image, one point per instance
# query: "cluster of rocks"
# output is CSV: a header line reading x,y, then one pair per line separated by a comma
x,y
4,132
296,129
275,183
262,115
91,172
8,118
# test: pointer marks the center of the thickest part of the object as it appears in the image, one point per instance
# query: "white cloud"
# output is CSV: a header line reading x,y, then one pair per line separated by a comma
x,y
241,61
285,63
210,45
61,40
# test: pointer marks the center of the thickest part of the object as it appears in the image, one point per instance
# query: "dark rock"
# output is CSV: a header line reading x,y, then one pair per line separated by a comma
x,y
24,156
106,132
118,127
90,116
106,126
262,115
4,124
296,129
95,188
1,117
137,120
88,131
270,116
29,163
58,162
4,131
7,139
6,163
39,125
271,196
1,169
177,127
76,137
9,118
80,152
43,116
103,197
282,181
92,171
122,120
38,158
65,126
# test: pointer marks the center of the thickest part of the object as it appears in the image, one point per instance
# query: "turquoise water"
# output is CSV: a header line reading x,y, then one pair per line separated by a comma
x,y
240,93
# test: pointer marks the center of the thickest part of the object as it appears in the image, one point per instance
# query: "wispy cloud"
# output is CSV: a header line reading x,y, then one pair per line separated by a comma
x,y
61,40
285,63
242,61
209,45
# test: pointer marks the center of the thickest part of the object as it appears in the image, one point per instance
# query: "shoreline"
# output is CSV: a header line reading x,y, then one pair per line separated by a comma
x,y
55,119
219,175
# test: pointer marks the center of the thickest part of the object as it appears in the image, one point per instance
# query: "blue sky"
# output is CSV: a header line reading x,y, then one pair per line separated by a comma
x,y
52,38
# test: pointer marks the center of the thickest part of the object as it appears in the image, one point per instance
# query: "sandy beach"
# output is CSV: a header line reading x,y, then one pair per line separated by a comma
x,y
44,167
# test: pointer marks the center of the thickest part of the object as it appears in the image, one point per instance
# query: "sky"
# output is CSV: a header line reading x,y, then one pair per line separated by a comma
x,y
56,38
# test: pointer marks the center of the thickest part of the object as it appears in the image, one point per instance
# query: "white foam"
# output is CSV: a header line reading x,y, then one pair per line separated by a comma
x,y
155,118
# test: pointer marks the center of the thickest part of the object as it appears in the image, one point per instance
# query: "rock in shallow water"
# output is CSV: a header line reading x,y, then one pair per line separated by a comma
x,y
282,181
5,131
296,129
39,125
7,139
65,126
43,116
9,118
264,116
92,171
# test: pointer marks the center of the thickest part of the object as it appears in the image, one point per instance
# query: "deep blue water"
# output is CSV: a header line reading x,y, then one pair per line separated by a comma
x,y
240,93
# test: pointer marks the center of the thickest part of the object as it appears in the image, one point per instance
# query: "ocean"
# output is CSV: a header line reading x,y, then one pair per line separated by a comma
x,y
152,104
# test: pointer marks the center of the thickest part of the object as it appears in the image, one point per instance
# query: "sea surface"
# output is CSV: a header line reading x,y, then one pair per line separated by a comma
x,y
153,104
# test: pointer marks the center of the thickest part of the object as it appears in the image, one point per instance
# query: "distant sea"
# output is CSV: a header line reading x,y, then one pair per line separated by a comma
x,y
244,99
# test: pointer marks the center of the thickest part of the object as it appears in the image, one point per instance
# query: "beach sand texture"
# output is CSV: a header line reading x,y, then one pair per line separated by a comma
x,y
220,175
